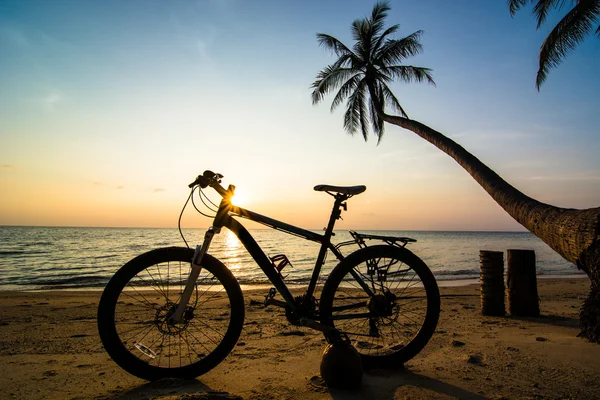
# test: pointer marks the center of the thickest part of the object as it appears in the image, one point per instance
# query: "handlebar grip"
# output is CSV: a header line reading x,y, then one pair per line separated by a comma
x,y
197,181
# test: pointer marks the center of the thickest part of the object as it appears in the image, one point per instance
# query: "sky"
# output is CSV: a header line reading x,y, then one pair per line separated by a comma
x,y
108,109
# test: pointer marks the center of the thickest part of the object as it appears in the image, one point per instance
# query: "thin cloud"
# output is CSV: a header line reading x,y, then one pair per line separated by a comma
x,y
13,36
52,99
203,49
582,177
492,134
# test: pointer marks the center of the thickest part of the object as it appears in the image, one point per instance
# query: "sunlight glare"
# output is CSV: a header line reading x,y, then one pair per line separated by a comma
x,y
240,198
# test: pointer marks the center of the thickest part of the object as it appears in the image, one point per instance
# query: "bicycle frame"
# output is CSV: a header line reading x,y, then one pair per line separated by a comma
x,y
225,218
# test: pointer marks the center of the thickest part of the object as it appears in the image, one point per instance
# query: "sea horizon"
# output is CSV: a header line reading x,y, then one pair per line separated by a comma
x,y
267,228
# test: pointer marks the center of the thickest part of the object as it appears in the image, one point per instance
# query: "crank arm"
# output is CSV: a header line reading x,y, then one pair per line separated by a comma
x,y
275,302
331,334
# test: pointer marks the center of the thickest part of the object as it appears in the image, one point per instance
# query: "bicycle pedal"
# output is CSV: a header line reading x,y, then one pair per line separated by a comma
x,y
270,295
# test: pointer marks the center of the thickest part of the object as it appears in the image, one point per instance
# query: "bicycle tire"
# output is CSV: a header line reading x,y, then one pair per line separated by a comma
x,y
387,330
136,303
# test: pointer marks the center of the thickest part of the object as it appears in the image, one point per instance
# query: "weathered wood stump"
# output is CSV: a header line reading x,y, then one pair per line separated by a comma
x,y
491,278
523,300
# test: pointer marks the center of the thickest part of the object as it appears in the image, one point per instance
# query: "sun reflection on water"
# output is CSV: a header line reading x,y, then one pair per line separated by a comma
x,y
232,251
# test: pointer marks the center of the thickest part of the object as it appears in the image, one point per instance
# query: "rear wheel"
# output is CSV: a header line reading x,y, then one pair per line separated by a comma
x,y
134,312
386,300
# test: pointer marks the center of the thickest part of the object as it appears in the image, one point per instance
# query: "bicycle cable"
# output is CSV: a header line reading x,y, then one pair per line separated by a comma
x,y
191,196
181,216
209,200
205,205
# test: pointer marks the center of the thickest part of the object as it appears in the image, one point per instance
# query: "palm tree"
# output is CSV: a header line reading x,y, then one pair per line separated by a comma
x,y
566,35
362,74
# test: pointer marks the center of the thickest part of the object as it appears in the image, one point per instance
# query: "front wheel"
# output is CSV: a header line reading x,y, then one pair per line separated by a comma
x,y
136,305
385,300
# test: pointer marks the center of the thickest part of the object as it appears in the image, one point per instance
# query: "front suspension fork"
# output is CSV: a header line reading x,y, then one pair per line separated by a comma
x,y
193,277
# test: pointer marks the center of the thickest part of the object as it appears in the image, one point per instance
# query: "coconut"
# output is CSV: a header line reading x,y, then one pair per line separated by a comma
x,y
341,366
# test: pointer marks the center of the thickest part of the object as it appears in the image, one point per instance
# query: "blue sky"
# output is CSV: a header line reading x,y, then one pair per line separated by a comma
x,y
108,109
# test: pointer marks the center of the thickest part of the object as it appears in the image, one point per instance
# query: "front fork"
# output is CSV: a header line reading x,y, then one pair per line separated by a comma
x,y
193,277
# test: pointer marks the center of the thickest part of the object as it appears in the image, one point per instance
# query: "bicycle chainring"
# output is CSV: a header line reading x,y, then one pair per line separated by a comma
x,y
306,309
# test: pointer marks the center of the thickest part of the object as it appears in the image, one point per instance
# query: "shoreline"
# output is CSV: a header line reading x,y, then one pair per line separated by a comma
x,y
50,349
298,286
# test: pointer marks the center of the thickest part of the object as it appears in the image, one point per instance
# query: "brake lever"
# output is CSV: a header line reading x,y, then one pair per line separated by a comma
x,y
212,176
206,179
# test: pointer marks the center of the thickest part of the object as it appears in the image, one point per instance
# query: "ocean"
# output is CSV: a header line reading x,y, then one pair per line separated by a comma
x,y
63,258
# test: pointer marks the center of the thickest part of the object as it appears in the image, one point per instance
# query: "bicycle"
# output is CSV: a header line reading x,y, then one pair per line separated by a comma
x,y
178,312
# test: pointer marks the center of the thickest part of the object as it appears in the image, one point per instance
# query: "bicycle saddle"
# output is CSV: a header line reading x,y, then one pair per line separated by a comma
x,y
348,190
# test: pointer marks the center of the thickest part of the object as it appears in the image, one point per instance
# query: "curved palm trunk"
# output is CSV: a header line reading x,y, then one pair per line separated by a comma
x,y
574,234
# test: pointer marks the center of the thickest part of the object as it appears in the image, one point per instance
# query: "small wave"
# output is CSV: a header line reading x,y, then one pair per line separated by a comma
x,y
264,280
59,270
12,253
455,277
39,244
458,272
21,252
106,256
95,285
560,273
79,281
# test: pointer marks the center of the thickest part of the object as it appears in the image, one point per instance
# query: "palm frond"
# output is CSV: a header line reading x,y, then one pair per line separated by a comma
x,y
566,35
346,61
329,79
515,5
377,19
383,77
364,119
357,29
393,101
363,35
379,14
355,116
376,122
395,50
542,8
332,44
380,40
409,73
345,90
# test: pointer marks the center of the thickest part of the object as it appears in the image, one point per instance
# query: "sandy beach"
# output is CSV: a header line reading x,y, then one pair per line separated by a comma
x,y
49,348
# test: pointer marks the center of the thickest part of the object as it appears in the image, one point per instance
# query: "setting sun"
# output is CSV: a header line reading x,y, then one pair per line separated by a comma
x,y
241,198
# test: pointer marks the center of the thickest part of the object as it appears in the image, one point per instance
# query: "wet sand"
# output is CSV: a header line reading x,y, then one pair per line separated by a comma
x,y
49,348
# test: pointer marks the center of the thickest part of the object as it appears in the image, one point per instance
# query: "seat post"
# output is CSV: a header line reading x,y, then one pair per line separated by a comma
x,y
336,213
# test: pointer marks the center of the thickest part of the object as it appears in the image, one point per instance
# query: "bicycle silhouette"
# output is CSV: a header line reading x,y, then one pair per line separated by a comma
x,y
178,312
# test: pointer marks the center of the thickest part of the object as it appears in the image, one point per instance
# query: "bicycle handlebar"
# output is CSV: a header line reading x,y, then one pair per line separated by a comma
x,y
209,178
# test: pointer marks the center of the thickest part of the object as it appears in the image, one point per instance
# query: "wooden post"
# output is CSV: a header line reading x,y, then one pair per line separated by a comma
x,y
491,278
521,280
